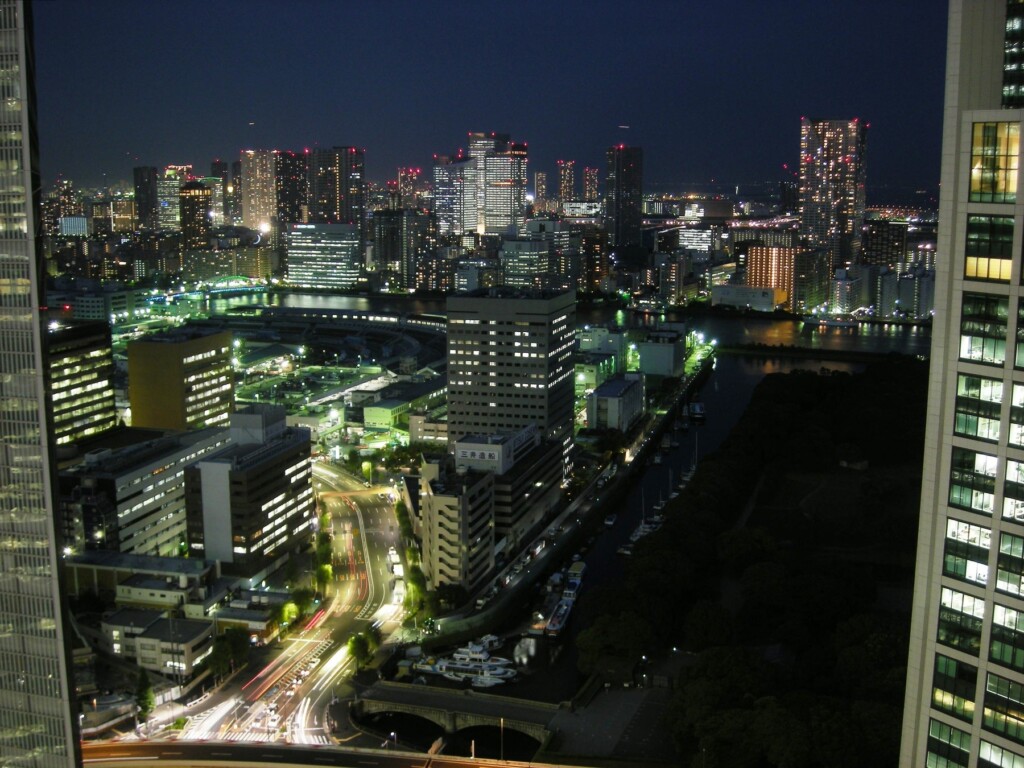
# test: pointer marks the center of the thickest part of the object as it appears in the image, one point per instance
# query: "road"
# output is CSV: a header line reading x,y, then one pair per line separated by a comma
x,y
287,698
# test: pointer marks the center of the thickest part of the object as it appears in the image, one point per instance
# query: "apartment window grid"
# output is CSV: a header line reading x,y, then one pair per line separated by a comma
x,y
953,687
995,158
948,747
989,248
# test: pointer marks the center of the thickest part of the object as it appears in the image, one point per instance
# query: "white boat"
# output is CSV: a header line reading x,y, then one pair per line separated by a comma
x,y
489,642
474,652
610,520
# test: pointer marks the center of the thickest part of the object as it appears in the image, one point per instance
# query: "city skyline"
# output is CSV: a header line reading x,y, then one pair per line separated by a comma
x,y
709,93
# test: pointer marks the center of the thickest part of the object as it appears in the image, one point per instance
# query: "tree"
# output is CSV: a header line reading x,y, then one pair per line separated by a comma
x,y
324,574
303,599
451,596
359,649
145,699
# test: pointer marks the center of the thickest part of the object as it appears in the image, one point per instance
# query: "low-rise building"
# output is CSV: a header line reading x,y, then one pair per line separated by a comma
x,y
616,404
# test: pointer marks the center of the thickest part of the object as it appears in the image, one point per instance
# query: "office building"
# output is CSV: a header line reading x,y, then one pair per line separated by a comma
x,y
38,714
337,187
145,196
251,505
566,180
81,364
181,379
194,201
965,672
503,173
623,195
324,256
131,498
832,174
449,193
510,364
168,187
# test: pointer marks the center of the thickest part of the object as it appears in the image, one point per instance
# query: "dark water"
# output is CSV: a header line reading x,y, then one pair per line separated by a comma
x,y
911,340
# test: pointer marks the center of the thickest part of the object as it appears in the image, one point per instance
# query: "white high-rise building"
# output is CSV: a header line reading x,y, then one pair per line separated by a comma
x,y
259,193
965,672
37,726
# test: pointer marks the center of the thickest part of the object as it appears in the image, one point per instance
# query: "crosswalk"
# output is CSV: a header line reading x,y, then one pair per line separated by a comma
x,y
263,736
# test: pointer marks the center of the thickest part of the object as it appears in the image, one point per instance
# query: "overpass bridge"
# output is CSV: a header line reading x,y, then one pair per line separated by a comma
x,y
454,710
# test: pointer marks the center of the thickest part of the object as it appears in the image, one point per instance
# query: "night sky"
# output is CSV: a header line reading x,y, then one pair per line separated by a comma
x,y
710,90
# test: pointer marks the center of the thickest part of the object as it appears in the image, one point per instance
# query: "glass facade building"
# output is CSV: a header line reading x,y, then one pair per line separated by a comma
x,y
36,723
323,255
965,673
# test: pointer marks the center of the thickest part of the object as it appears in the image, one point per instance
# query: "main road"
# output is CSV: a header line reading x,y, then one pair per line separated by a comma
x,y
288,695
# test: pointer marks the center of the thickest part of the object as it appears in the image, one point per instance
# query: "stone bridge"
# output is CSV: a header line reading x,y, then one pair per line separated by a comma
x,y
454,710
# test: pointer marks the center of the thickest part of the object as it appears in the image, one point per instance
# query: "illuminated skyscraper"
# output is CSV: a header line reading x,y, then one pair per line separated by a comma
x,y
37,724
566,180
624,195
168,186
449,193
259,191
832,176
540,186
81,363
499,174
590,184
965,672
194,202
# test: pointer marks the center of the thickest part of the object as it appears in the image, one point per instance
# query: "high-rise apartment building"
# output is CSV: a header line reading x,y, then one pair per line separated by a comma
x,y
965,673
37,721
566,180
194,215
400,237
624,195
832,174
145,196
540,186
590,184
291,185
802,273
337,187
259,190
181,379
510,364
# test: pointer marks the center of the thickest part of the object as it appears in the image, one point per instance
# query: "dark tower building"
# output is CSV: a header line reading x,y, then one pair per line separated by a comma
x,y
291,186
145,196
624,195
194,203
337,187
219,169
